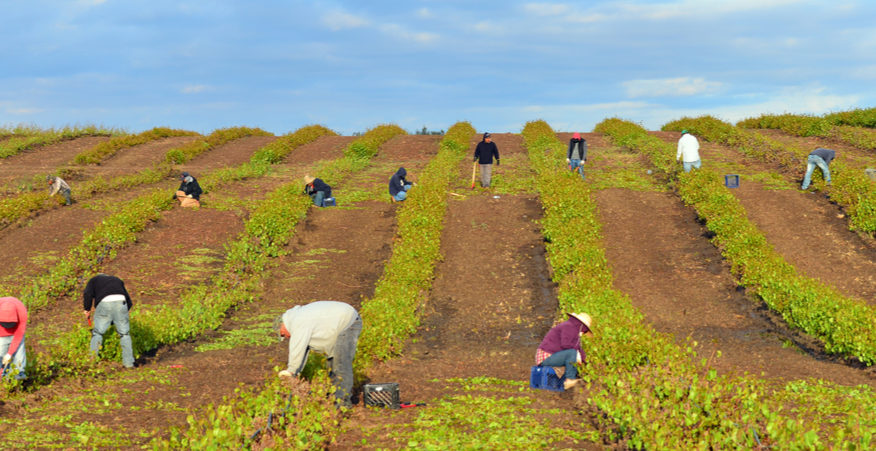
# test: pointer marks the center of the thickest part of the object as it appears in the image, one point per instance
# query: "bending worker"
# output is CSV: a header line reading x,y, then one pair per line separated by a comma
x,y
58,185
13,325
189,192
562,346
111,302
820,157
328,327
398,186
318,190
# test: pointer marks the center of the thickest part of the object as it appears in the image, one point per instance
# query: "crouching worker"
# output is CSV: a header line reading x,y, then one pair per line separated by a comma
x,y
562,346
318,190
111,302
328,327
398,186
189,192
13,324
58,185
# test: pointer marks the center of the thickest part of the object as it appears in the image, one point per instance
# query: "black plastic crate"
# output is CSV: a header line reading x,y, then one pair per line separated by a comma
x,y
382,395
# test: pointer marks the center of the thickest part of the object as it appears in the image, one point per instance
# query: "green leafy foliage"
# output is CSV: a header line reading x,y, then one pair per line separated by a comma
x,y
20,142
109,148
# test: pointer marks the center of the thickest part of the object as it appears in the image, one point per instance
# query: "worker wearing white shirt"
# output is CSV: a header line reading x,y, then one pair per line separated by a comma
x,y
688,151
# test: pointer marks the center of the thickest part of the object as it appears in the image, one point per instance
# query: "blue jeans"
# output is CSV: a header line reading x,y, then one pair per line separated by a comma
x,y
567,358
403,194
318,197
692,164
576,164
341,364
19,358
811,162
115,313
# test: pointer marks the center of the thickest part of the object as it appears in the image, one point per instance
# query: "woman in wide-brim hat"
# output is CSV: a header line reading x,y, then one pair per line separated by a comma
x,y
562,346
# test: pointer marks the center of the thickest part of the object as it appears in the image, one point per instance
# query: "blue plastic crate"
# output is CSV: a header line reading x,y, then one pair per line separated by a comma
x,y
731,181
329,202
545,378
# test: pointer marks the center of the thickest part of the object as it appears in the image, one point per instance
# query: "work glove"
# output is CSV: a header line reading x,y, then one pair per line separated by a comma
x,y
579,359
497,161
568,160
284,373
6,359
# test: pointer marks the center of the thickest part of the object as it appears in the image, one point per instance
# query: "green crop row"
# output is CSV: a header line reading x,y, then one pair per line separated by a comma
x,y
850,188
393,313
17,144
248,261
847,327
643,390
23,205
104,150
826,127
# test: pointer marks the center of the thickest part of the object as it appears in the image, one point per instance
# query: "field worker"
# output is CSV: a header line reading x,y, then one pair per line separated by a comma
x,y
688,151
328,327
111,302
189,192
56,185
13,324
820,157
562,346
577,153
484,153
318,190
398,186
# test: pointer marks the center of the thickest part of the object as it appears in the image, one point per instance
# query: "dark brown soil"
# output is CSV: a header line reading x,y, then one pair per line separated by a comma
x,y
44,159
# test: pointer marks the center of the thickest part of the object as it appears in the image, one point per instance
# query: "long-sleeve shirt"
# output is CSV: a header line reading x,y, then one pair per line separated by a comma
x,y
566,335
190,186
397,182
485,151
826,154
688,149
315,326
57,185
318,185
101,286
13,311
577,149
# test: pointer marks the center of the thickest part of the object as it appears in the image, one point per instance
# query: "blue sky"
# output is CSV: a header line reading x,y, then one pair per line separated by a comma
x,y
349,65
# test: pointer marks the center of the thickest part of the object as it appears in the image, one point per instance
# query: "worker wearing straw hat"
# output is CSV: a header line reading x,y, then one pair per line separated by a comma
x,y
562,346
317,190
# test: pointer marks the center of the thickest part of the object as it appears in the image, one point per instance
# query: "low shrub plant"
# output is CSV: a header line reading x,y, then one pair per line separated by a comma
x,y
850,188
18,143
106,149
852,127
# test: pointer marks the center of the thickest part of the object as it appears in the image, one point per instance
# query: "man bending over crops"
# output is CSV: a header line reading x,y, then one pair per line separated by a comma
x,y
820,157
398,186
111,302
562,346
56,185
328,327
13,324
189,192
688,151
318,190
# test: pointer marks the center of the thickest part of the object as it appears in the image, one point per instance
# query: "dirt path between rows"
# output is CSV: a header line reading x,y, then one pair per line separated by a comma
x,y
810,232
44,159
855,157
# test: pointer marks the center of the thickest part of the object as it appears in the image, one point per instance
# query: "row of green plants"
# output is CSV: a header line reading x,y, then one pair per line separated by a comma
x,y
106,149
33,138
802,125
846,326
24,205
20,130
643,390
850,187
249,260
393,313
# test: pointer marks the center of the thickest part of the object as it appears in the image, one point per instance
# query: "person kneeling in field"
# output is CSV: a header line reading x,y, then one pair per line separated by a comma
x,y
318,190
111,303
562,346
328,327
398,186
189,192
13,325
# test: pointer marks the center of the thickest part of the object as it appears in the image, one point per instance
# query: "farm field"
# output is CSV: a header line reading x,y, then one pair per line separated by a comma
x,y
456,286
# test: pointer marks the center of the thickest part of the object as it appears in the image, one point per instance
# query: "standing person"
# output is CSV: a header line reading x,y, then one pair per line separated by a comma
x,y
328,327
484,153
820,157
562,346
398,186
56,185
577,154
688,151
111,302
13,325
318,190
189,192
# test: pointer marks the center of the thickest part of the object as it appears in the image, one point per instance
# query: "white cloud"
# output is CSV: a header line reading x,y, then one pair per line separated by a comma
x,y
194,89
404,34
425,13
338,20
670,87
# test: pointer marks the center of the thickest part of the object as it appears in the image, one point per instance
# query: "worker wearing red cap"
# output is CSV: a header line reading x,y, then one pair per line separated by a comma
x,y
13,324
577,154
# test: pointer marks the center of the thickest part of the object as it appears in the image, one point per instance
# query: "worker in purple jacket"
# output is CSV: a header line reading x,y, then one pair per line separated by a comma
x,y
562,346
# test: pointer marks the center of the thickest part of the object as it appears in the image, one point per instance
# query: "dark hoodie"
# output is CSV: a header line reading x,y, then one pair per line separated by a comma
x,y
190,186
485,151
101,286
397,182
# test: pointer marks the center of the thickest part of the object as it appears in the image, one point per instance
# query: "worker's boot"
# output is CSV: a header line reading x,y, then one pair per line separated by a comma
x,y
569,383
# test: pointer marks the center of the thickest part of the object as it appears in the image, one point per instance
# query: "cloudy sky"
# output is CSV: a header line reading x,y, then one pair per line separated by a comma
x,y
350,65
